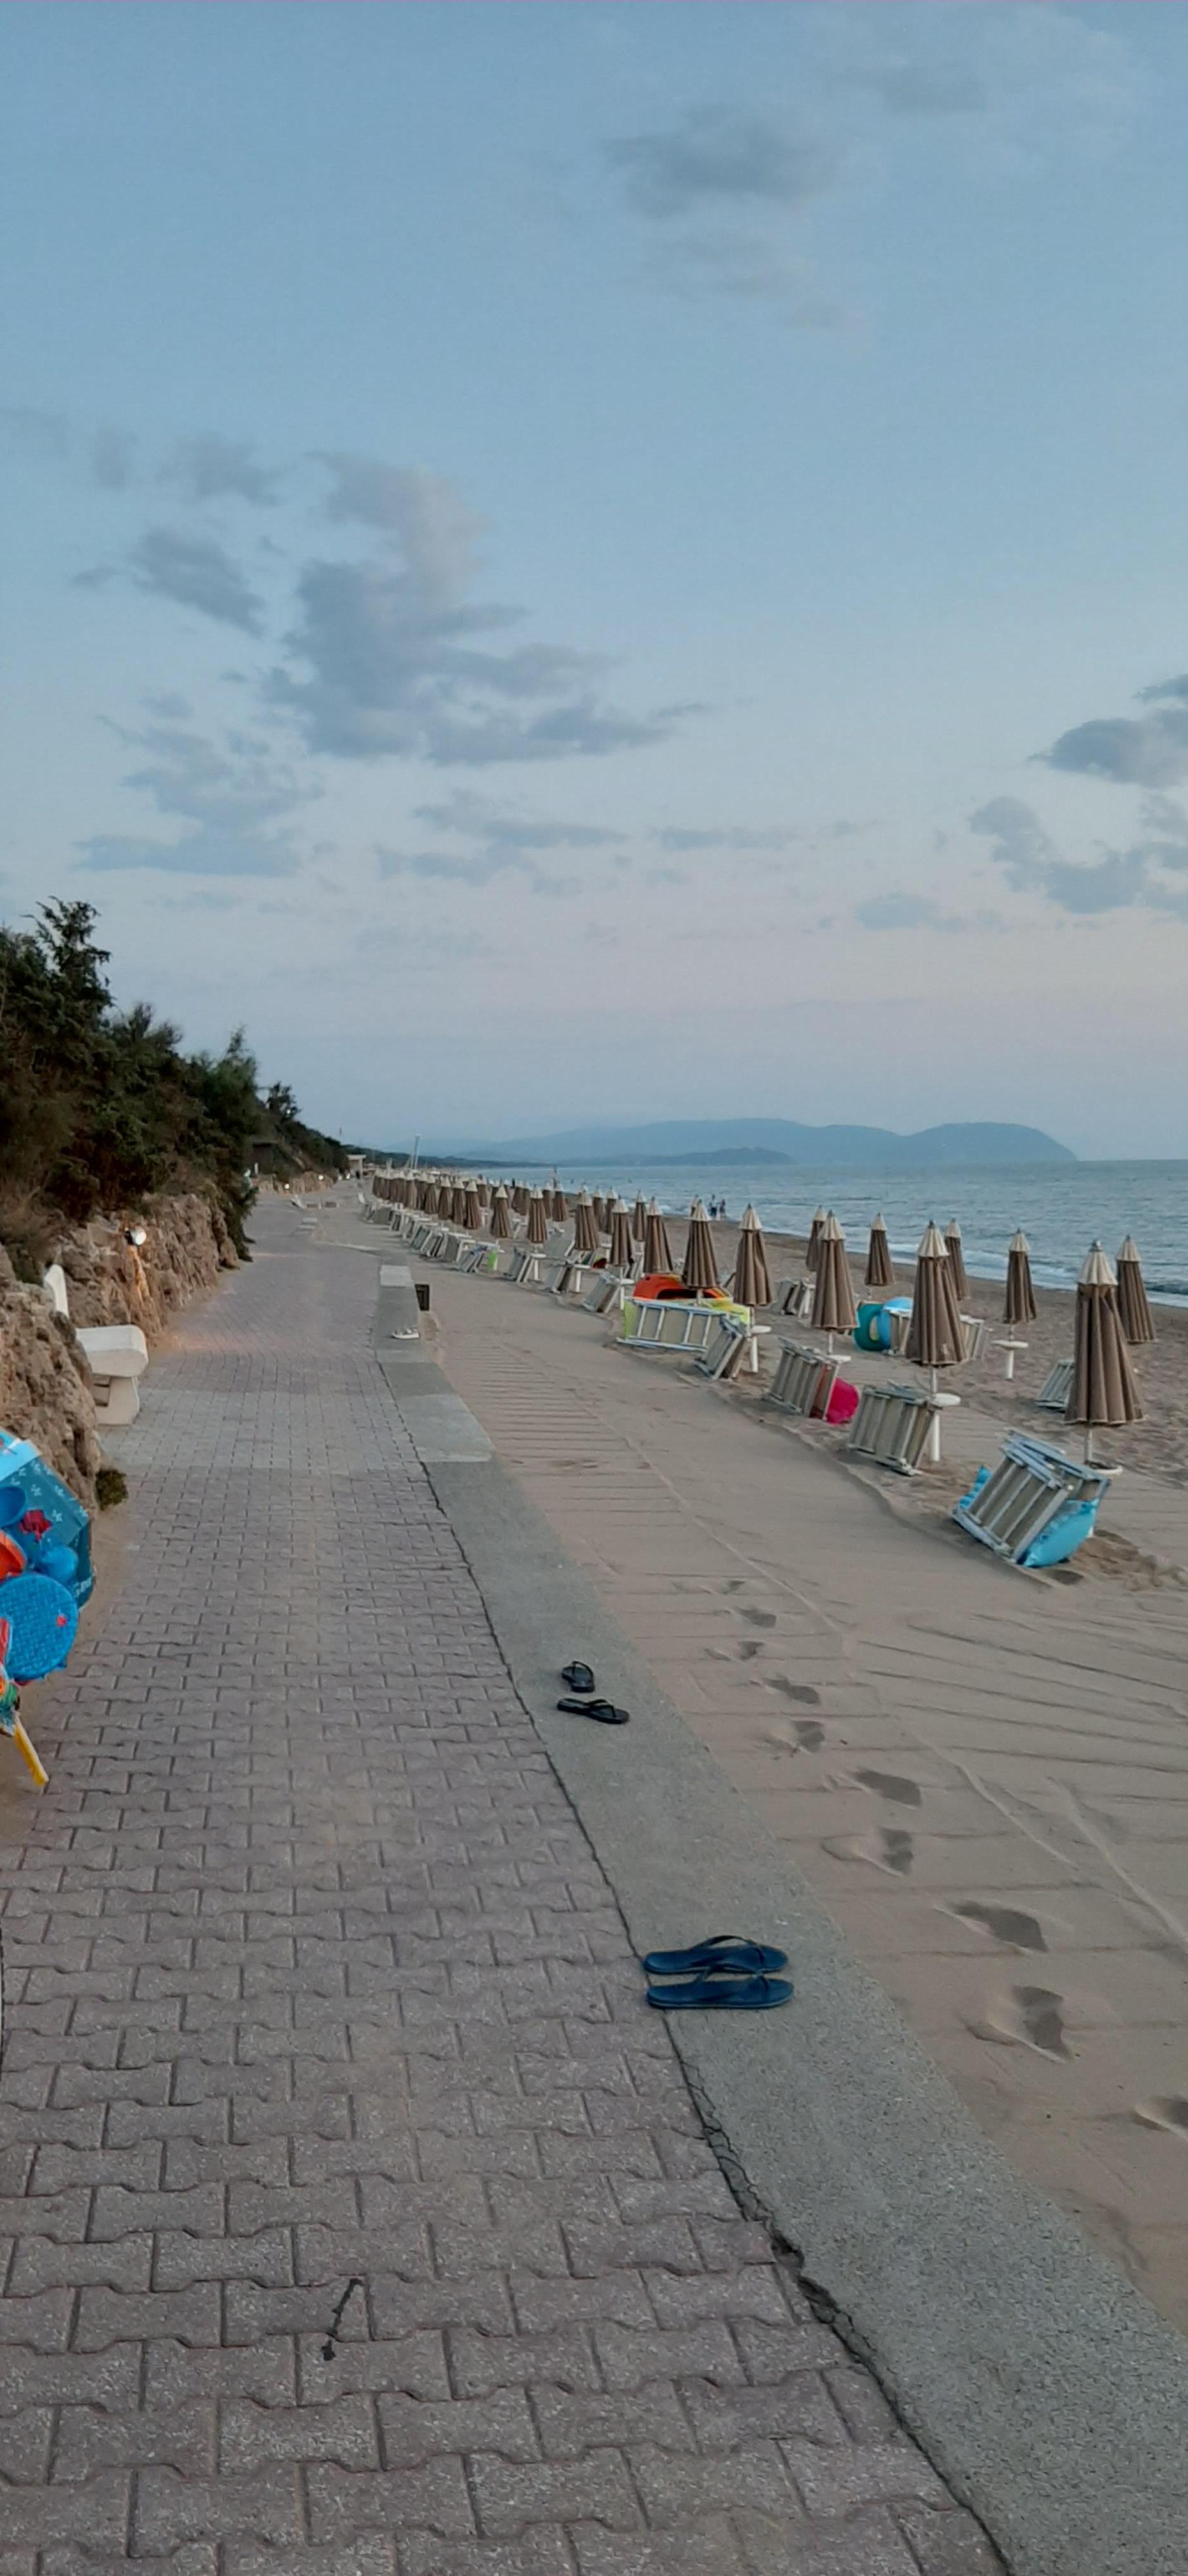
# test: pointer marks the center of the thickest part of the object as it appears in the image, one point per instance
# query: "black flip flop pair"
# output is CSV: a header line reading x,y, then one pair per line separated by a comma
x,y
723,1974
580,1682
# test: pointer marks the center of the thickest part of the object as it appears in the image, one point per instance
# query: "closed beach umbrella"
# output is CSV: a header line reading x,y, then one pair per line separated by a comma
x,y
935,1337
657,1257
956,1253
559,1211
834,1310
622,1249
1103,1382
538,1219
432,1199
585,1231
499,1222
879,1272
521,1198
1132,1296
1019,1302
639,1221
602,1214
461,1204
700,1269
474,1209
810,1255
752,1279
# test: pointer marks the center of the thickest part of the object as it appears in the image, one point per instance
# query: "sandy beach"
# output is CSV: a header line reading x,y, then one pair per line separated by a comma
x,y
983,1775
1159,1445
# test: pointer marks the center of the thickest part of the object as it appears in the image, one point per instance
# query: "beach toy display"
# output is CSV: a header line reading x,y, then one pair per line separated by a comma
x,y
45,1577
42,1520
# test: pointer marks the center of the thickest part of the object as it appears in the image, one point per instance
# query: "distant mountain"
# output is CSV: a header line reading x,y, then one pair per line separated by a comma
x,y
813,1148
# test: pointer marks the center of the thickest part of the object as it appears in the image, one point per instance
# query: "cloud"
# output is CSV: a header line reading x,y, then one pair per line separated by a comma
x,y
500,839
897,912
196,573
720,156
436,529
235,795
393,653
914,912
479,819
198,854
776,836
919,88
28,431
757,271
1133,751
112,452
211,468
1121,880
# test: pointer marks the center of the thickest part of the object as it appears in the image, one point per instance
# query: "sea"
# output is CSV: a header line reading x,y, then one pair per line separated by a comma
x,y
1061,1207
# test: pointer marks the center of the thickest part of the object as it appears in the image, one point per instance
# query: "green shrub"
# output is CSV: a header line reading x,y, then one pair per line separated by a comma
x,y
98,1107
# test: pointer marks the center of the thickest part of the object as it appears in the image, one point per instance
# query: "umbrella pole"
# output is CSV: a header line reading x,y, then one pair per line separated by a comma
x,y
1089,1447
934,1444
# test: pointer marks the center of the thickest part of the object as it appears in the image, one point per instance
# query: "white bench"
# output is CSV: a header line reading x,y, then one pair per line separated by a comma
x,y
118,1355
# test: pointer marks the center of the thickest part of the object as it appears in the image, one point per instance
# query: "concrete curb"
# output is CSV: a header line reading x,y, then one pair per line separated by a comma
x,y
1045,2389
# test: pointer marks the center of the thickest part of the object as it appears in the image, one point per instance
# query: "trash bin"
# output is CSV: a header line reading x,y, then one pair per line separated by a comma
x,y
422,1288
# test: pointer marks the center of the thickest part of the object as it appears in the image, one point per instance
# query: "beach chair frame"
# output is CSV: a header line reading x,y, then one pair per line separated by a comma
x,y
891,1427
1033,1484
794,1298
667,1326
804,1380
1057,1387
977,1334
724,1349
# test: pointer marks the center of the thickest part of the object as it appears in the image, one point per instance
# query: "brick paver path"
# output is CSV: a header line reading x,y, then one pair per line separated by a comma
x,y
315,1987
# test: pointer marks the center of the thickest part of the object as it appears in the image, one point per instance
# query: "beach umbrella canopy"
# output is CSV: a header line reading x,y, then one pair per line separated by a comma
x,y
1103,1382
935,1336
474,1209
956,1252
538,1218
461,1204
639,1221
1018,1305
558,1209
622,1249
657,1255
521,1198
585,1230
500,1218
810,1255
752,1279
700,1269
879,1272
1132,1296
834,1310
602,1214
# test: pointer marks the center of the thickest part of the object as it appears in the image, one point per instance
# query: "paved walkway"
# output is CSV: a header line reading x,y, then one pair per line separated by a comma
x,y
320,2008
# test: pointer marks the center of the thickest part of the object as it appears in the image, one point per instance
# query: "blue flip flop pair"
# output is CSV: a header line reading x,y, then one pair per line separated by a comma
x,y
722,1974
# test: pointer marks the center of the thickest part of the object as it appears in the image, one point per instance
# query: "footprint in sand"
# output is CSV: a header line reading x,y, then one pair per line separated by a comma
x,y
1166,2111
890,1785
802,1692
809,1735
758,1618
889,1848
1015,1931
1027,2017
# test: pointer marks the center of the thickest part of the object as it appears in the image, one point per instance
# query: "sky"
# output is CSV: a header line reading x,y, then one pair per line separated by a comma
x,y
577,559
